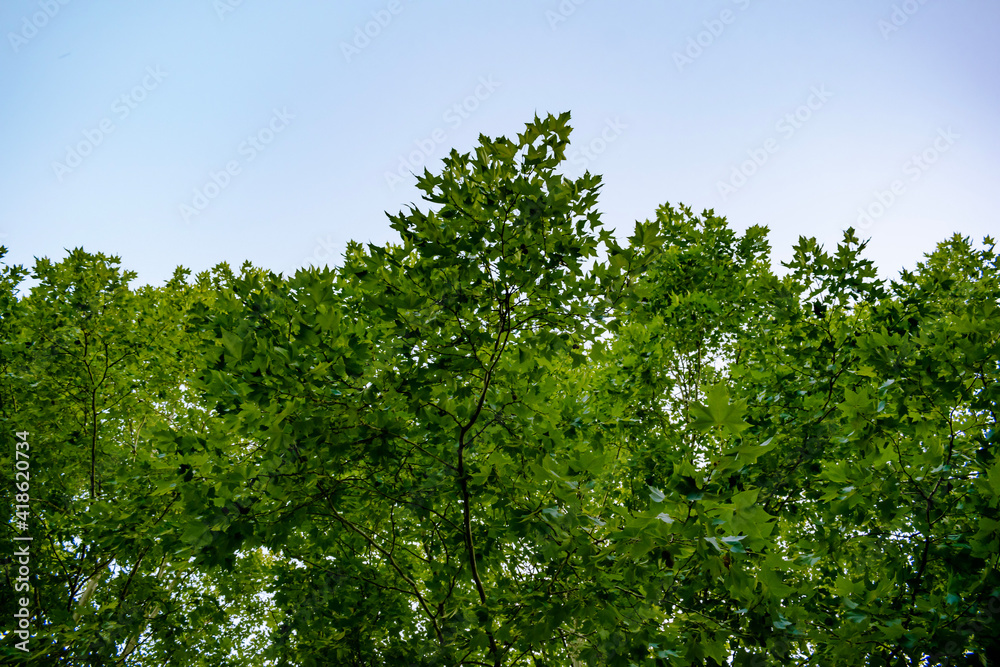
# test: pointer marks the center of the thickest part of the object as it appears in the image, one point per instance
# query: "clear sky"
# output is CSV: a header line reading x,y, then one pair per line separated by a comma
x,y
196,131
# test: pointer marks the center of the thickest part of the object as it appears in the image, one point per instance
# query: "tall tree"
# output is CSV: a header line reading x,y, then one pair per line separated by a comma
x,y
92,368
514,439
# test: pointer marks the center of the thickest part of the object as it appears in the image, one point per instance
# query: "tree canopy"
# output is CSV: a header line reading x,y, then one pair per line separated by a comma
x,y
509,439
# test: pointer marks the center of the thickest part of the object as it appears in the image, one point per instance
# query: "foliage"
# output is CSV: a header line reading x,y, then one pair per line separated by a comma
x,y
512,438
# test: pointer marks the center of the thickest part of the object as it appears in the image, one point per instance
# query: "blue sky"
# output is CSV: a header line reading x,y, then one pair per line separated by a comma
x,y
196,131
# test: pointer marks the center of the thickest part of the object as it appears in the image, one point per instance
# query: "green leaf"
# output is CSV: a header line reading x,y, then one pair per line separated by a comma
x,y
718,411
